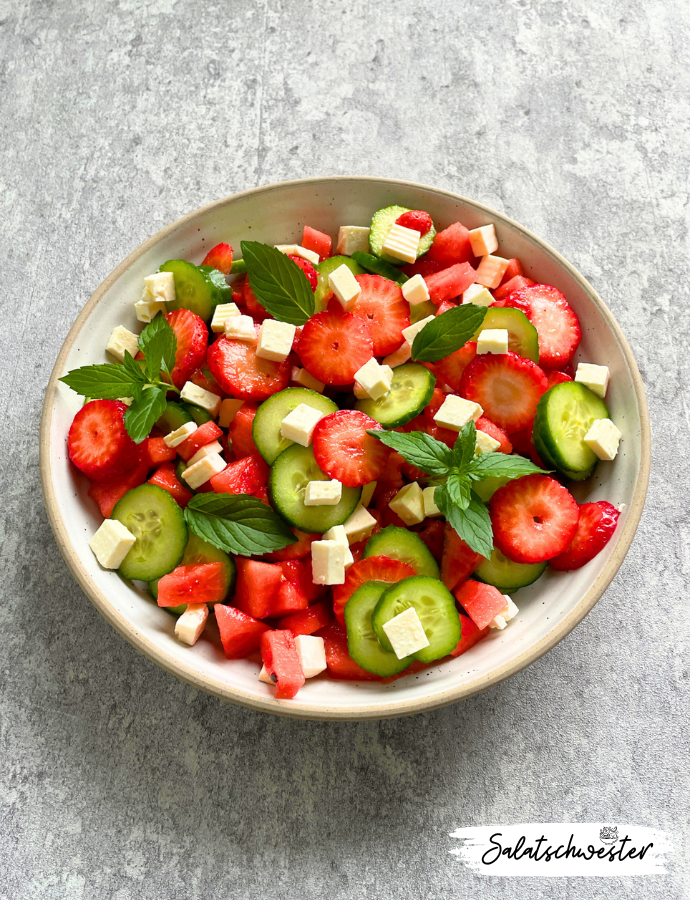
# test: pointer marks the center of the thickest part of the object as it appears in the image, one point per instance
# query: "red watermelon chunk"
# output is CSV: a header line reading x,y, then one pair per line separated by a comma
x,y
257,586
469,635
458,560
452,245
482,602
279,655
239,633
449,283
204,583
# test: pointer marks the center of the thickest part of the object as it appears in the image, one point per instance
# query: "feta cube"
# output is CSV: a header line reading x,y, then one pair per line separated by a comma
x,y
360,525
491,270
266,677
176,437
215,447
367,494
483,240
121,341
352,238
477,294
337,533
111,543
191,623
603,438
596,378
455,412
147,310
323,493
275,340
406,633
159,286
408,503
312,654
485,443
430,508
493,340
221,314
203,470
306,379
199,396
411,332
240,328
299,425
500,621
374,379
299,250
415,290
399,356
228,411
402,243
328,562
345,286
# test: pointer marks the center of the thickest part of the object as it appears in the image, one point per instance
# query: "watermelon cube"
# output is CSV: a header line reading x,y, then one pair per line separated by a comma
x,y
307,621
316,241
482,602
166,477
458,560
205,434
203,583
450,282
239,633
156,452
257,586
279,655
452,245
513,284
513,269
107,493
469,635
240,431
338,661
244,476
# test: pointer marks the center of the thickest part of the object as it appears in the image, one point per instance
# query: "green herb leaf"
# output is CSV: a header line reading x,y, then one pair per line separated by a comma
x,y
147,408
237,523
134,369
103,382
159,345
465,445
418,448
447,333
501,465
379,267
279,285
459,489
473,524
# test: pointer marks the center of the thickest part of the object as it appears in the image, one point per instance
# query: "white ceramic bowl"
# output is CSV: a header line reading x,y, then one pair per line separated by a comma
x,y
549,609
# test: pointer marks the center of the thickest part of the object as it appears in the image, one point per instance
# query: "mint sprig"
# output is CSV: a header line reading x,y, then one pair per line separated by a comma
x,y
237,523
448,332
278,283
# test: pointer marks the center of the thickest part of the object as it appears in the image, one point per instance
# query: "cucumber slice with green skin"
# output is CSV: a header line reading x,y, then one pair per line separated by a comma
x,y
180,467
382,222
362,644
158,524
197,552
198,414
486,488
269,416
564,416
194,289
506,575
217,277
175,415
238,267
522,335
290,474
411,390
422,311
379,267
435,607
323,293
406,546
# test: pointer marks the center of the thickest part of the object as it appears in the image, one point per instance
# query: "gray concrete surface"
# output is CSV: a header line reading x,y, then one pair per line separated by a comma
x,y
119,116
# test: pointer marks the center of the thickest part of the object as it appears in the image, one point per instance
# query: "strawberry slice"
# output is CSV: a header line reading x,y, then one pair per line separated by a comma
x,y
307,268
317,241
481,602
220,257
452,245
373,568
554,376
594,530
451,367
334,345
534,518
557,325
506,386
384,309
192,340
450,282
344,450
203,379
497,433
507,287
244,476
242,374
458,560
254,308
240,431
417,220
98,443
107,493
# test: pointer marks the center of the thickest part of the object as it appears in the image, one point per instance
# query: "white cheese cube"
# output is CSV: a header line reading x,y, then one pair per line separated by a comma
x,y
345,286
500,621
399,356
215,447
147,310
159,286
408,503
121,341
430,508
240,328
199,396
337,533
265,677
221,314
299,425
367,494
477,294
415,290
493,340
352,238
191,623
596,378
360,525
306,379
374,378
228,411
406,633
299,250
201,471
603,438
491,270
176,437
328,562
483,240
485,443
323,493
275,340
411,332
312,654
111,543
455,412
402,243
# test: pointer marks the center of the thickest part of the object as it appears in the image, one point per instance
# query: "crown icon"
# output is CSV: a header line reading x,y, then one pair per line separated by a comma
x,y
609,834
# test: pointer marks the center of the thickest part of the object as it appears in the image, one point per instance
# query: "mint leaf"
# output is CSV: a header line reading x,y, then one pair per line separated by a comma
x,y
418,448
134,369
459,489
501,465
473,524
159,345
279,285
237,523
146,409
103,382
447,333
465,445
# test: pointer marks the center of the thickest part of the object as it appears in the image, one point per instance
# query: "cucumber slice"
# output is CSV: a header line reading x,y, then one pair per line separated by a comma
x,y
382,222
486,488
269,416
198,552
175,415
323,293
564,416
158,524
506,575
238,267
422,311
406,546
290,474
198,414
217,277
435,607
180,468
411,390
193,288
522,335
362,644
379,267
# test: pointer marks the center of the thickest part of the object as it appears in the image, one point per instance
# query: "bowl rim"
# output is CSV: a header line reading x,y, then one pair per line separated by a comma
x,y
385,707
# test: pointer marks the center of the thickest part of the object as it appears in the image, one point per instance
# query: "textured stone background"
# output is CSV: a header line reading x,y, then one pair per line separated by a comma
x,y
117,117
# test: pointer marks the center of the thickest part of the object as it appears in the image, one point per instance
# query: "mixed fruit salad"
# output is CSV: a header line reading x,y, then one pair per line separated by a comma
x,y
353,459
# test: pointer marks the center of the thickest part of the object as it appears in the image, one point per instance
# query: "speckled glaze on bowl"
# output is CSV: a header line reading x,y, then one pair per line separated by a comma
x,y
549,609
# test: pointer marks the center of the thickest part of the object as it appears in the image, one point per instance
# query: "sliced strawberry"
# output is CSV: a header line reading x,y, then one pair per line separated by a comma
x,y
534,518
458,560
202,583
557,325
239,633
244,476
506,288
240,430
344,450
417,220
203,379
307,268
445,435
242,374
192,340
496,432
452,245
481,602
204,434
594,530
253,307
166,477
334,345
506,386
107,493
220,257
373,568
307,621
423,267
384,309
555,377
98,443
436,402
450,282
469,635
298,550
340,664
451,367
155,452
513,270
433,536
444,306
317,242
